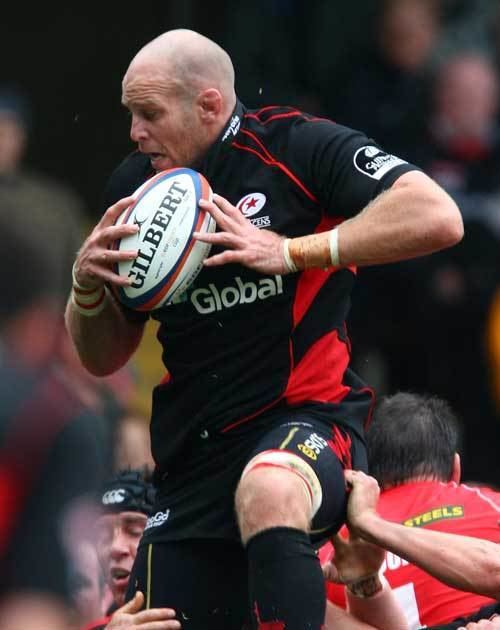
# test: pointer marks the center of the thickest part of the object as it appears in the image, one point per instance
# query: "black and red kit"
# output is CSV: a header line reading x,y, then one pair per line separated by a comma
x,y
247,352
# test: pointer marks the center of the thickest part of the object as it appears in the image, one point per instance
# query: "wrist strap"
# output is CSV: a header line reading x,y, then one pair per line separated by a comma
x,y
334,247
315,250
291,267
367,586
89,303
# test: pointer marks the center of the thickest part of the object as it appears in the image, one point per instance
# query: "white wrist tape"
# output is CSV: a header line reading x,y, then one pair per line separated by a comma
x,y
291,267
334,247
89,303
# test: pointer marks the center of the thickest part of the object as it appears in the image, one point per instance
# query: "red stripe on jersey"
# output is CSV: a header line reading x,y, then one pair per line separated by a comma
x,y
308,382
262,110
311,280
262,409
273,162
251,416
341,444
258,142
308,287
267,625
275,117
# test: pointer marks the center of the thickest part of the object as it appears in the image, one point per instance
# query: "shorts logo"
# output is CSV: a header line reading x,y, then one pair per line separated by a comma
x,y
374,162
113,496
157,519
313,446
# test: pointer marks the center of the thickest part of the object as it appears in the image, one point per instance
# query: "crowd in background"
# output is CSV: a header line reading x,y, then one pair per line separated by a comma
x,y
425,83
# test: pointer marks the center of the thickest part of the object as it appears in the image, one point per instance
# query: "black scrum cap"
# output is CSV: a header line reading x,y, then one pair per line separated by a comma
x,y
128,491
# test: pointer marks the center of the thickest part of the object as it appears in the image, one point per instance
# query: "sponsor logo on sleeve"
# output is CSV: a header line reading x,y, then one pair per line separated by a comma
x,y
374,162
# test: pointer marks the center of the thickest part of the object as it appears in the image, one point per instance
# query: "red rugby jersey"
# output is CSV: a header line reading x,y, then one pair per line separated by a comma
x,y
447,507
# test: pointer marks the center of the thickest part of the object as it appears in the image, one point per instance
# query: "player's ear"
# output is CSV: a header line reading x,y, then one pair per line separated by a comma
x,y
209,104
456,472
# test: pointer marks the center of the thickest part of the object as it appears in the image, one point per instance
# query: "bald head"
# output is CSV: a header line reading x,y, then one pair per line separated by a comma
x,y
179,89
189,61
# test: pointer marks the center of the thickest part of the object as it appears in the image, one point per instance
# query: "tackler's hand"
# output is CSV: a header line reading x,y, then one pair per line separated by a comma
x,y
131,617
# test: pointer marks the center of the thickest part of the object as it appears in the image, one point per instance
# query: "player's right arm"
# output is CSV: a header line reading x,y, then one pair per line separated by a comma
x,y
103,336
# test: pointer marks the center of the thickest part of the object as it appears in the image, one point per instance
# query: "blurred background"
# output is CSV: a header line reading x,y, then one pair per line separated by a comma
x,y
421,77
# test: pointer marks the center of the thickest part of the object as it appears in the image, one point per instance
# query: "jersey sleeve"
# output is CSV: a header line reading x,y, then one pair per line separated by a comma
x,y
343,167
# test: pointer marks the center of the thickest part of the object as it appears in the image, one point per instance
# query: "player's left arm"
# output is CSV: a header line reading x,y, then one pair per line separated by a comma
x,y
414,217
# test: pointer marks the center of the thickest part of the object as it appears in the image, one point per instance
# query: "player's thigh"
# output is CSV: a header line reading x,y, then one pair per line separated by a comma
x,y
311,450
205,581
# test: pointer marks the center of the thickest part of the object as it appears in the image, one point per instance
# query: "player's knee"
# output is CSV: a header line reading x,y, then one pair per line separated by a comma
x,y
276,493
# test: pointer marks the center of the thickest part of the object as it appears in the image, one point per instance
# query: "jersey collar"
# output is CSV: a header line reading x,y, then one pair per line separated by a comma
x,y
222,144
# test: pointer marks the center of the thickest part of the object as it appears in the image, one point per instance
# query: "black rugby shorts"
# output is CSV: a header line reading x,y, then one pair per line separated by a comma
x,y
195,498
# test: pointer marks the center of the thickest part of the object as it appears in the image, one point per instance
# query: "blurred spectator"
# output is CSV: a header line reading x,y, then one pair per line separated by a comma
x,y
412,447
452,297
461,149
56,215
393,70
52,448
436,312
55,424
470,24
36,193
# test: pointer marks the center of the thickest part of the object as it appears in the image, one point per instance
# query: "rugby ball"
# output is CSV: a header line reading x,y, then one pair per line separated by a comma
x,y
166,210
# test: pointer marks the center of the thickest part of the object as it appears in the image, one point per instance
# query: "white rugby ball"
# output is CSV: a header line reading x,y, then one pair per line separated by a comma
x,y
167,213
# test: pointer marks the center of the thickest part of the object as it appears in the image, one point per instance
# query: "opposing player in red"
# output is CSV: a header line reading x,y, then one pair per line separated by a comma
x,y
261,411
412,452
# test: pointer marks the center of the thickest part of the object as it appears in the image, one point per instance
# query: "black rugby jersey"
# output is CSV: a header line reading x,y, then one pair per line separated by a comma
x,y
240,343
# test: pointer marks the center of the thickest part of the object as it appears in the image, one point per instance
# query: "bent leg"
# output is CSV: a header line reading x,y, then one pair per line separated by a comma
x,y
286,584
292,487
